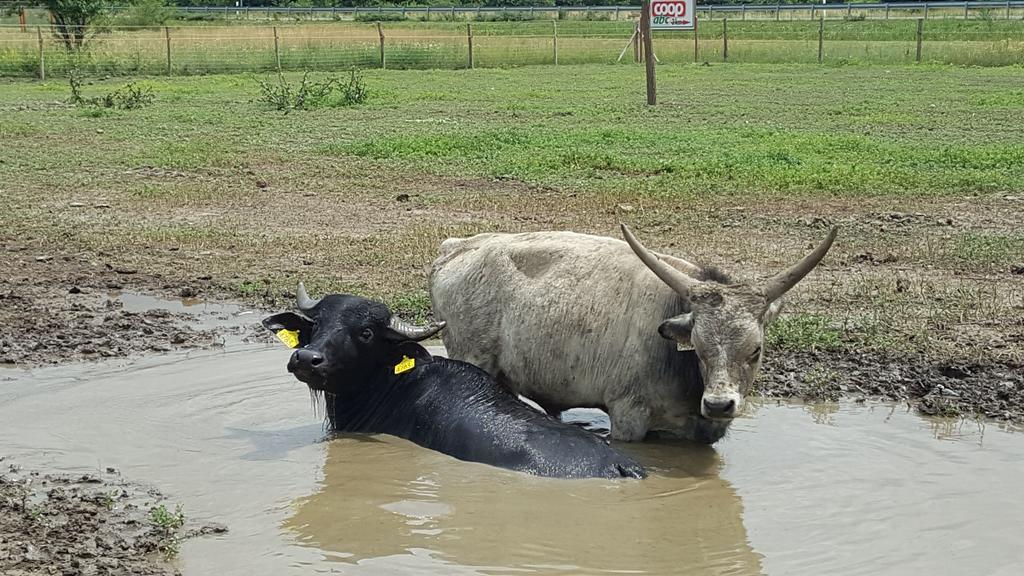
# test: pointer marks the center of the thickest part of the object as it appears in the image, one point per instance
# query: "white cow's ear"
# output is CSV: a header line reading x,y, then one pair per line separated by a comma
x,y
678,328
771,313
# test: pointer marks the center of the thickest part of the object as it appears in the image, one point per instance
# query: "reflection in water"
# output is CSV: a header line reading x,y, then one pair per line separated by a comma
x,y
384,499
822,413
958,429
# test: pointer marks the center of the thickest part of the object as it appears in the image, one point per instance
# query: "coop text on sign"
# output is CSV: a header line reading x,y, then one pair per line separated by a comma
x,y
673,14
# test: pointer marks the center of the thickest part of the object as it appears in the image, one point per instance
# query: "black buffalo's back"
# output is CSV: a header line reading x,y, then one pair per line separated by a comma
x,y
458,409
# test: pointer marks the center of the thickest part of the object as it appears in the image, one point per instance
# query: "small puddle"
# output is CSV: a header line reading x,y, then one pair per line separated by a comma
x,y
135,302
839,489
201,314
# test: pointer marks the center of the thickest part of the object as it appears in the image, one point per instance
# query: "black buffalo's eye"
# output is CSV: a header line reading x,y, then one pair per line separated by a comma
x,y
366,335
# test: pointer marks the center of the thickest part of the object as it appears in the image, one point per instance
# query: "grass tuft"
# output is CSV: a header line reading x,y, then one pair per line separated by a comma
x,y
803,332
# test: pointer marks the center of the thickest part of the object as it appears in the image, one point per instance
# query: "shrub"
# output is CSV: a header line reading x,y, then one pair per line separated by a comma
x,y
331,91
128,97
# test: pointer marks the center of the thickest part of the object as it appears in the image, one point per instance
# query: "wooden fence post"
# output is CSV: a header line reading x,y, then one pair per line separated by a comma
x,y
778,8
725,40
277,50
821,37
167,34
925,10
967,15
554,39
469,37
886,11
1007,9
638,56
849,9
645,31
383,59
920,37
696,49
23,18
744,12
42,58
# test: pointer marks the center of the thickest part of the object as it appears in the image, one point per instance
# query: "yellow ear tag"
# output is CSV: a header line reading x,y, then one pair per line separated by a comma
x,y
289,337
405,365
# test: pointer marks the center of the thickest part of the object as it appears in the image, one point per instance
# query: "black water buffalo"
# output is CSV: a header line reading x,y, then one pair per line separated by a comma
x,y
376,378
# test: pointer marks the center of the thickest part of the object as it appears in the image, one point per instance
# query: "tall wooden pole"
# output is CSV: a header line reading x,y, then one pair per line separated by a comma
x,y
469,37
645,31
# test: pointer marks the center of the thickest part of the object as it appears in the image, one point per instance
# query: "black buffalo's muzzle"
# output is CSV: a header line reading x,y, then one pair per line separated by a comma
x,y
307,365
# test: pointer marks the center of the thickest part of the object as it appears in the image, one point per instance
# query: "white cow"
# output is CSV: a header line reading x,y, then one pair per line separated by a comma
x,y
572,320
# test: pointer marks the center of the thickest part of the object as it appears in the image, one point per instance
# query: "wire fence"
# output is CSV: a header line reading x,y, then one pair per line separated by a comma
x,y
182,50
981,9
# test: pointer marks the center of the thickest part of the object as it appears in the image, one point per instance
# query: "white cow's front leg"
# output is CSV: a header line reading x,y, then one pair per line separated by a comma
x,y
630,419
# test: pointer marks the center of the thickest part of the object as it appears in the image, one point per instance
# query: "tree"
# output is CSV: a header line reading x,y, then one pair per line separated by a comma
x,y
74,19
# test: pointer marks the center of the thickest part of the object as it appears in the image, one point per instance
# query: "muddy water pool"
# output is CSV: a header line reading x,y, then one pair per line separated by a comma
x,y
837,489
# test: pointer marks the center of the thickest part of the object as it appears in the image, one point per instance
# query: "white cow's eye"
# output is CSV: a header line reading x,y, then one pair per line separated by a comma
x,y
756,355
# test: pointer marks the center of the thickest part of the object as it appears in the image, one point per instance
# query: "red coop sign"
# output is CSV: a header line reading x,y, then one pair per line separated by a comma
x,y
673,14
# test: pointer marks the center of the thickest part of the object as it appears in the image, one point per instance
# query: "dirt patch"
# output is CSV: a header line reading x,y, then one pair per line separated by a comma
x,y
86,525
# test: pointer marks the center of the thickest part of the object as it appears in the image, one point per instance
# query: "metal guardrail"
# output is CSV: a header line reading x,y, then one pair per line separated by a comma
x,y
715,8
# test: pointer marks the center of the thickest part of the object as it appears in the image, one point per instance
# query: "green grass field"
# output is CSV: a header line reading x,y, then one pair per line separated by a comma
x,y
242,47
739,165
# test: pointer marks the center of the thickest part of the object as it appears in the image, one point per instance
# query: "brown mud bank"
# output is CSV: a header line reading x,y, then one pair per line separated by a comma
x,y
86,525
70,310
943,388
84,317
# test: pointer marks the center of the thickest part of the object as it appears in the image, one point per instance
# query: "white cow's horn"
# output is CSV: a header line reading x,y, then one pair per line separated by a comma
x,y
414,332
675,279
778,285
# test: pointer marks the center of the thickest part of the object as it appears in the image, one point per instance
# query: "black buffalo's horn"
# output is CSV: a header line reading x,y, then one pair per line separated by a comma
x,y
303,300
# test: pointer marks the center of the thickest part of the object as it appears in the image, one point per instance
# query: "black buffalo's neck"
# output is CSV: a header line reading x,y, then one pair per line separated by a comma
x,y
380,401
375,399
